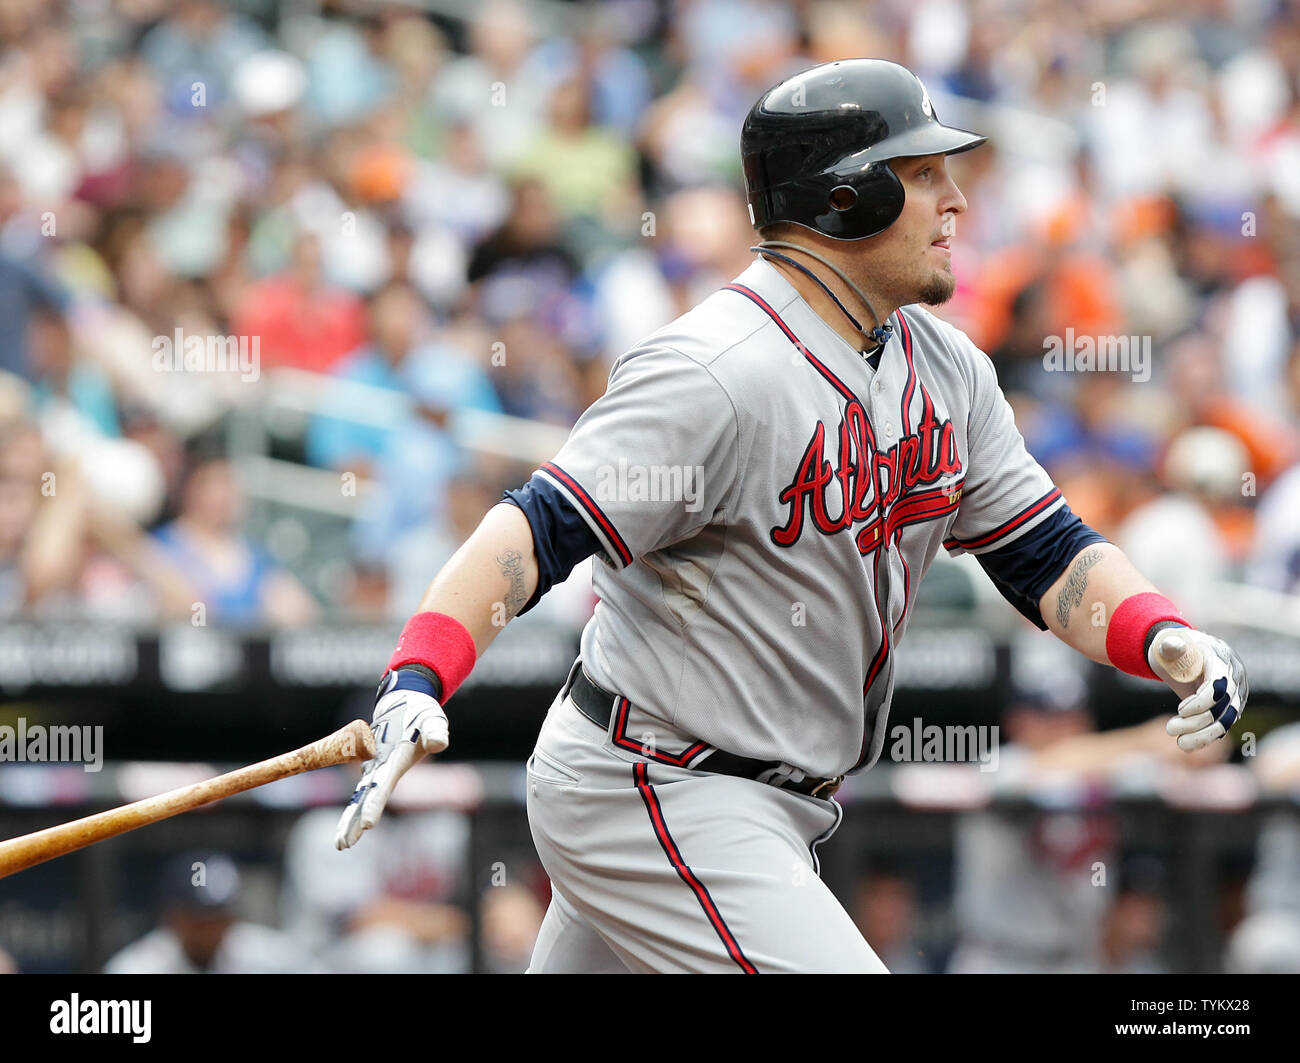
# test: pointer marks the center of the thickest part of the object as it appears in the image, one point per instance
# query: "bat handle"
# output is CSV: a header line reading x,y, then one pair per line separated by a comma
x,y
350,743
1179,656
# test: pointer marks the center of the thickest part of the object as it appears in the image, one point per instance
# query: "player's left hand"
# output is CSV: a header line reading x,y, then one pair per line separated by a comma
x,y
408,724
1216,703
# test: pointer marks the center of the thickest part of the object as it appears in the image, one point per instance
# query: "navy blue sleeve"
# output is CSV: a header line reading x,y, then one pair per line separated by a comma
x,y
561,537
1023,570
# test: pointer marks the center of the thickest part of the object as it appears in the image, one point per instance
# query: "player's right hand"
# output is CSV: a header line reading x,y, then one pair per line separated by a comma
x,y
408,724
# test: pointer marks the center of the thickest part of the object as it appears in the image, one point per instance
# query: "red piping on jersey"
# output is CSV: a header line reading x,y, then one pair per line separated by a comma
x,y
910,388
680,760
596,513
997,533
640,773
907,589
831,378
877,662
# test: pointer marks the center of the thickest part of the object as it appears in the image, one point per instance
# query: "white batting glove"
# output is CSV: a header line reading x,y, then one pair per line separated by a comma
x,y
1206,715
408,724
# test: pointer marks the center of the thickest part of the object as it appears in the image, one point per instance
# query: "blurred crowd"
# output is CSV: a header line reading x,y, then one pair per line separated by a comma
x,y
259,263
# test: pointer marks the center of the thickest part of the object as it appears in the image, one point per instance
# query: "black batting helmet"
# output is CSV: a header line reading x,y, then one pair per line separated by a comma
x,y
816,147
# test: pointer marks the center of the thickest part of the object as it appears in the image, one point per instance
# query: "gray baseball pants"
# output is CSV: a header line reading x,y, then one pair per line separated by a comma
x,y
657,868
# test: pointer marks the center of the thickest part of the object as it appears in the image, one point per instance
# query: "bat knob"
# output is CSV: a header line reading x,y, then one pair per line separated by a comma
x,y
1179,656
1172,647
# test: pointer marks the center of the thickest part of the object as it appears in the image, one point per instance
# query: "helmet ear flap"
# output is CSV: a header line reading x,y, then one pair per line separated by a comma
x,y
848,207
875,200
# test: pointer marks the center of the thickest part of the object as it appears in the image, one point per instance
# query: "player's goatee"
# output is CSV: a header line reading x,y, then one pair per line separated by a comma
x,y
938,290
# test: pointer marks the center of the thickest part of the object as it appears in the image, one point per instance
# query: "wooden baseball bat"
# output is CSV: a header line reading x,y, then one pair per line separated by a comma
x,y
353,742
1179,656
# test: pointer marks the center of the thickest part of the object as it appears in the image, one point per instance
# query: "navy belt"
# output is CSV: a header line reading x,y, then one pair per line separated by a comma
x,y
597,704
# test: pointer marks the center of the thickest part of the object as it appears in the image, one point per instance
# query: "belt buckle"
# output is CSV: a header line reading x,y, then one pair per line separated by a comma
x,y
834,784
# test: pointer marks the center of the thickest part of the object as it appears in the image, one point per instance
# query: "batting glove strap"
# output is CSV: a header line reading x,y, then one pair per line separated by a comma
x,y
1207,714
416,677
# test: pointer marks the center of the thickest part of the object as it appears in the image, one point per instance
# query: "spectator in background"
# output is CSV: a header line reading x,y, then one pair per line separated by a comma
x,y
399,911
688,137
457,190
237,582
1041,288
1275,552
25,289
21,461
884,905
1201,395
490,88
71,396
397,323
588,173
421,455
417,555
727,43
1099,446
1032,890
699,241
346,77
534,375
200,931
198,41
512,917
529,242
83,554
1203,472
299,320
1267,941
619,82
70,538
1133,931
1025,900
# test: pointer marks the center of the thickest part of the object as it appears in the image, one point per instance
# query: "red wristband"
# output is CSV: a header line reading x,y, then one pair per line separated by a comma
x,y
1126,634
440,643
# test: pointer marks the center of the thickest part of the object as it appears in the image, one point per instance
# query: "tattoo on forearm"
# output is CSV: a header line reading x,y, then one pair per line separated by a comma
x,y
512,567
1075,584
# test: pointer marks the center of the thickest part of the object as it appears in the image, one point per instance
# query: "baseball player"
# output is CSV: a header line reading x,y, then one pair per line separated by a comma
x,y
765,482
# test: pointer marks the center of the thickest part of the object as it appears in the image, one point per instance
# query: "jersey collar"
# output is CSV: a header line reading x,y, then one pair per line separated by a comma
x,y
766,280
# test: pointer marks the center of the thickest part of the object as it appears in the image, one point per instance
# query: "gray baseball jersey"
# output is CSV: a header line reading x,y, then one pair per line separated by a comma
x,y
767,505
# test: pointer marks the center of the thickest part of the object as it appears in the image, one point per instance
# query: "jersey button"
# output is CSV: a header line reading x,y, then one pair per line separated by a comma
x,y
889,429
875,386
